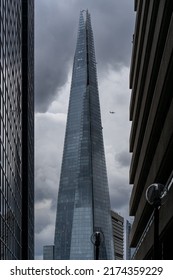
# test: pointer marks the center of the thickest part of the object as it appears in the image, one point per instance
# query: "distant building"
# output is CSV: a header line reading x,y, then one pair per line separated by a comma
x,y
48,252
151,113
129,251
16,130
118,235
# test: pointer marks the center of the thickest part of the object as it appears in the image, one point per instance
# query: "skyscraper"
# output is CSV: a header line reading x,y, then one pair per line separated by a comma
x,y
83,202
16,129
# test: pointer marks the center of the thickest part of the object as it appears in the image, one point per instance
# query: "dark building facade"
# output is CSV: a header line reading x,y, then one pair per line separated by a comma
x,y
83,202
151,113
16,129
28,128
118,235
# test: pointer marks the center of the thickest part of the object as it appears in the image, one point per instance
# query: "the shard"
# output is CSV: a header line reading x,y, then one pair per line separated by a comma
x,y
83,206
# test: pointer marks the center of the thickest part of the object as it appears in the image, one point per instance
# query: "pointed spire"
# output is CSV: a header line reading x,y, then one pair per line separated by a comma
x,y
81,20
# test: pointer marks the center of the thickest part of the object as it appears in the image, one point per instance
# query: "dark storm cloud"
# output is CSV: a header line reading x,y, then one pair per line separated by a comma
x,y
53,51
56,32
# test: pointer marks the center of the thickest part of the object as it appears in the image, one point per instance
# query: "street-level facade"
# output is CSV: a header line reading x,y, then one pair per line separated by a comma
x,y
151,113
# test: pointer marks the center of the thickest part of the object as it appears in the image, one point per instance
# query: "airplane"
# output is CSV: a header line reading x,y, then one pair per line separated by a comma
x,y
111,112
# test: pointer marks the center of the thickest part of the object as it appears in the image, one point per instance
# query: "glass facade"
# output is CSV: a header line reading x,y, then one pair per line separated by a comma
x,y
11,126
48,252
83,202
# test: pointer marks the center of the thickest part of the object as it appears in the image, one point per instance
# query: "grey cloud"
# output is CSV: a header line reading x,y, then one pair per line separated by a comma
x,y
48,153
56,32
46,186
120,195
42,221
123,158
113,32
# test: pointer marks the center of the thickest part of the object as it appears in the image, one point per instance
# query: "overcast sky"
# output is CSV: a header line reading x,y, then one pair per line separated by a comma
x,y
56,26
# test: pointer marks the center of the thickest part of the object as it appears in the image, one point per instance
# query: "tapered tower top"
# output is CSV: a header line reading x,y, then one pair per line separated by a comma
x,y
83,206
